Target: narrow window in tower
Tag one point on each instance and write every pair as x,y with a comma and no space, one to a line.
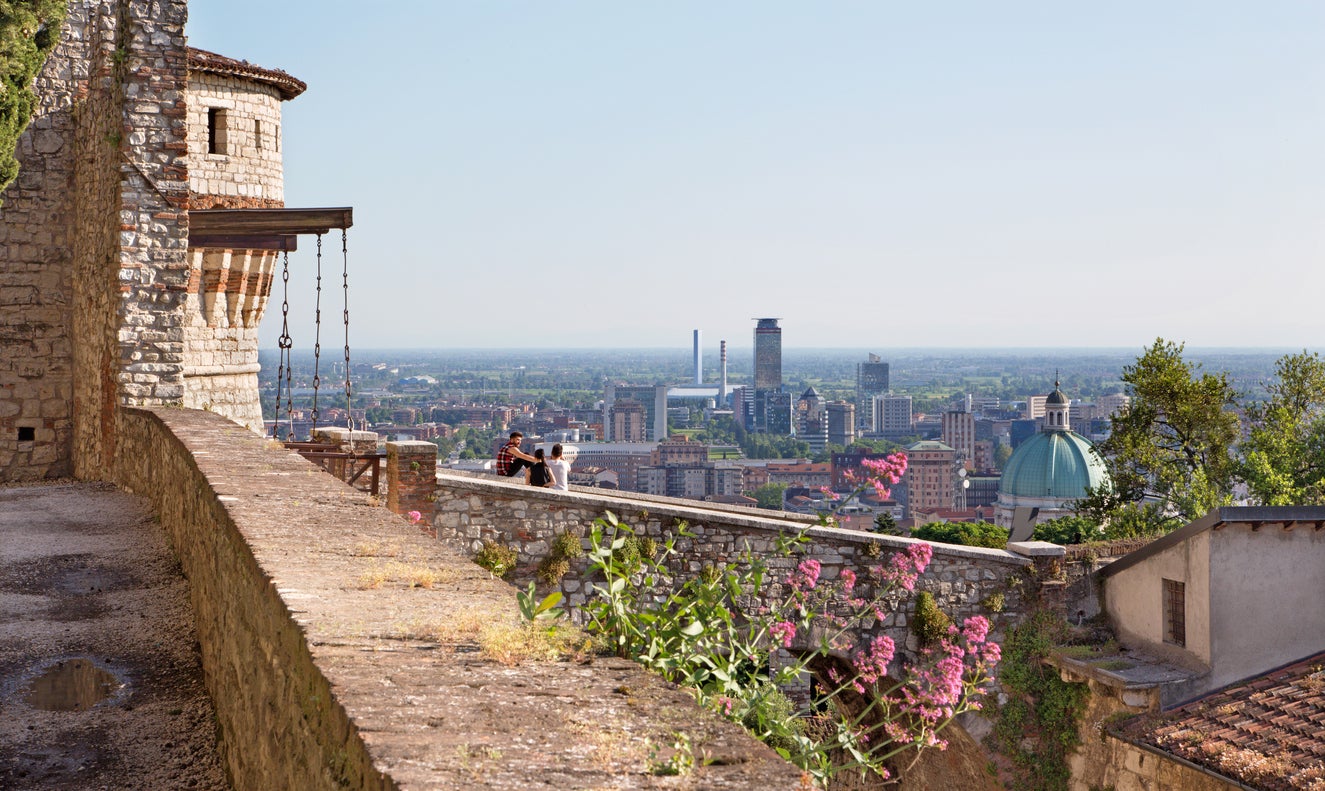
216,131
257,134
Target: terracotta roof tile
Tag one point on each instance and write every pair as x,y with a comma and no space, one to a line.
1266,732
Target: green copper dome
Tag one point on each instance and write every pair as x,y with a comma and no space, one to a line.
1053,464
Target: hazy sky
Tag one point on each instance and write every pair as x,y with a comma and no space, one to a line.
877,174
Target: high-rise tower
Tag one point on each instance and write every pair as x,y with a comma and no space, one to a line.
699,360
768,355
871,380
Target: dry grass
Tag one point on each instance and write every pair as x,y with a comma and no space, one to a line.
375,549
413,575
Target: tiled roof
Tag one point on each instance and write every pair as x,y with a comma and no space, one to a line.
1268,732
202,60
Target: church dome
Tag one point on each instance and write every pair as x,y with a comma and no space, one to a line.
1056,398
1053,464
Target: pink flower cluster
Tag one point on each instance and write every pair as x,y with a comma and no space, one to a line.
415,517
935,689
872,663
805,577
906,567
783,632
885,472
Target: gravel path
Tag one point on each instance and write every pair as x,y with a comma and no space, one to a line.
95,621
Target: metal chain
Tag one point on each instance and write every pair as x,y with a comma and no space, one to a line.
317,332
284,342
345,285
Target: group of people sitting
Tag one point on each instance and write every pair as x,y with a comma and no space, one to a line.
553,473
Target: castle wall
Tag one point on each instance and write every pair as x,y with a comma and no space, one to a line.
249,173
93,236
330,670
36,290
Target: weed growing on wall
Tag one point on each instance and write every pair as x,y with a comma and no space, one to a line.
718,634
1038,726
496,558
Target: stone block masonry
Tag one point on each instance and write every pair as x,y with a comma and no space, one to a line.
471,509
326,679
93,236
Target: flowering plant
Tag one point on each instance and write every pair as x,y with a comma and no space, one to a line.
876,474
740,636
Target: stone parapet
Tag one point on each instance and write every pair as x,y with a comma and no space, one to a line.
331,672
411,480
963,580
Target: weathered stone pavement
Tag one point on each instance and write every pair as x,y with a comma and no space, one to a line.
92,604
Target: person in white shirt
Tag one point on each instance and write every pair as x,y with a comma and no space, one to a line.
560,469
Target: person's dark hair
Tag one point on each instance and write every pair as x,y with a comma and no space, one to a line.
556,450
538,454
516,434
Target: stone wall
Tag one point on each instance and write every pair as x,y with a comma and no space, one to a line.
331,671
471,509
222,313
93,236
247,172
36,288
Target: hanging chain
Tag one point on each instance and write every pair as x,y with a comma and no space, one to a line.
284,342
345,285
317,332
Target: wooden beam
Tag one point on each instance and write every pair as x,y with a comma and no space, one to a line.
213,222
239,242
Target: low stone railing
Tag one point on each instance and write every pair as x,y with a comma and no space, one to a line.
471,509
345,649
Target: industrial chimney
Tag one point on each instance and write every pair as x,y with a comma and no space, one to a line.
699,361
722,383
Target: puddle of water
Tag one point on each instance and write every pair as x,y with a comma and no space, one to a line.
71,685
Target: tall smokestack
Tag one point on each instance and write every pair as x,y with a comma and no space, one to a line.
722,383
699,361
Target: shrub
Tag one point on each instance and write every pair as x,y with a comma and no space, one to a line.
716,633
496,558
930,623
971,534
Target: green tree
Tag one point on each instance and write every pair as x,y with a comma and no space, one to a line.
1002,452
1283,457
971,534
886,524
770,496
29,30
1075,529
1174,444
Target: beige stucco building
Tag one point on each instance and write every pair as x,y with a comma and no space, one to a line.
1231,595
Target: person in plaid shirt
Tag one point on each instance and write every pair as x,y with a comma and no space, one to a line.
510,459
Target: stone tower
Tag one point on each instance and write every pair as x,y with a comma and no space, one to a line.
106,300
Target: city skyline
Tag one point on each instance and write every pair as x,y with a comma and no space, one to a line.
1037,176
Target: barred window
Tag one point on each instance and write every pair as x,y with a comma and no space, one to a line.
1175,613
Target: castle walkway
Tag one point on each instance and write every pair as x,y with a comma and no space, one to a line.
100,679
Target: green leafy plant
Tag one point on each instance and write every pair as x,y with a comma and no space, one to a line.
534,610
29,30
717,633
496,558
930,623
971,534
1038,725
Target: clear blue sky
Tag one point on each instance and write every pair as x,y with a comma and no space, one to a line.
878,174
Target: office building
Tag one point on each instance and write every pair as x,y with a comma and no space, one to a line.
841,416
871,381
768,355
892,416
